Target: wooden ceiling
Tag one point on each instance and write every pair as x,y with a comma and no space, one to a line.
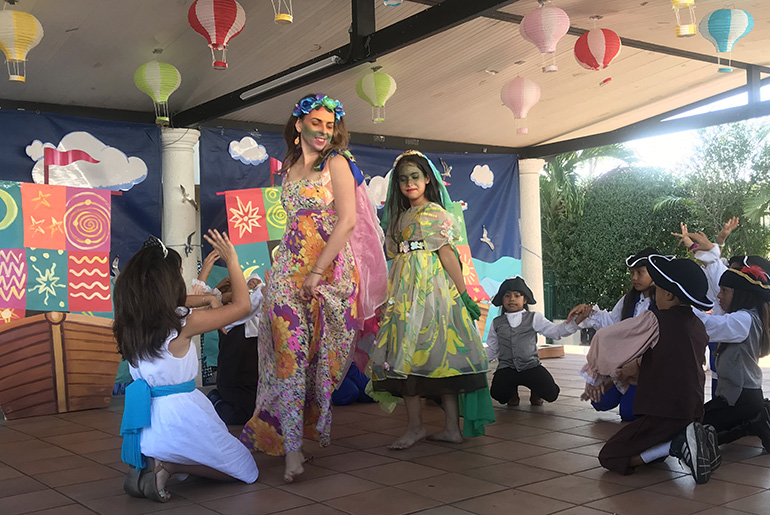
448,85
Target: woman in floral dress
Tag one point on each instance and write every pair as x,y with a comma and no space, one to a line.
428,344
310,319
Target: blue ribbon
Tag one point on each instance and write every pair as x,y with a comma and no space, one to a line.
136,416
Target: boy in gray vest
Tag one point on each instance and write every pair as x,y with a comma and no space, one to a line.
512,340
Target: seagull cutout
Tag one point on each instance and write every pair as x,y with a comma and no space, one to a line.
447,171
186,197
114,268
188,247
485,237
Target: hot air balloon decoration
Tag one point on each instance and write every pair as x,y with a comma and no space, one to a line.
544,27
520,95
392,3
218,21
596,49
724,27
684,30
284,14
376,88
158,80
20,32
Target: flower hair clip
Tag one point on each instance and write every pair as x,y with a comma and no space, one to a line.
311,103
152,241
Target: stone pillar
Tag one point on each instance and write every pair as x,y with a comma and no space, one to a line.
180,218
531,238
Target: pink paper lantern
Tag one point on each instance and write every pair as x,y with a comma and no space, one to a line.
544,27
520,95
596,49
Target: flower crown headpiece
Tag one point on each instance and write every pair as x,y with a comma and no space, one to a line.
311,103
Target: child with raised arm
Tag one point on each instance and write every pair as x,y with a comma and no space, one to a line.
168,426
512,339
669,396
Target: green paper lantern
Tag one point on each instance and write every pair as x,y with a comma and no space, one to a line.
375,88
158,80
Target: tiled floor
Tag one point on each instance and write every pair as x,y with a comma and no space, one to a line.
534,460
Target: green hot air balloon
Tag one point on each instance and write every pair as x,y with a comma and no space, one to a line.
158,80
376,88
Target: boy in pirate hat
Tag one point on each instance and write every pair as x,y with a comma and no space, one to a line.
512,340
669,398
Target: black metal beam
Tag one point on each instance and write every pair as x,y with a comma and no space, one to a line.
647,129
417,27
119,115
631,43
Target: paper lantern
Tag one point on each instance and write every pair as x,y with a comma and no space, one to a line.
218,21
544,27
520,95
20,32
158,80
392,3
596,49
684,30
376,88
724,27
283,11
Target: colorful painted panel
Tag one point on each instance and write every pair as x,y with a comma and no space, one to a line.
13,279
276,215
254,258
457,210
475,290
88,281
11,224
47,281
246,220
43,207
87,220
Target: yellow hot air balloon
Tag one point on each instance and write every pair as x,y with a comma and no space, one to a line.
20,32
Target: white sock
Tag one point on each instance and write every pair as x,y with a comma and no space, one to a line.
653,453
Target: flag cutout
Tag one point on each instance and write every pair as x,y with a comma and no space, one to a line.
51,156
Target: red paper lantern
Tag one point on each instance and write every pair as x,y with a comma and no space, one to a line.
596,49
218,21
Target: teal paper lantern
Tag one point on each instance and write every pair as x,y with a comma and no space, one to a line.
723,28
375,88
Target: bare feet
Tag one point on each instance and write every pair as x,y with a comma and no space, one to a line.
446,435
408,439
294,468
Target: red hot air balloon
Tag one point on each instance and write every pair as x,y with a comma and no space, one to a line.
218,21
596,49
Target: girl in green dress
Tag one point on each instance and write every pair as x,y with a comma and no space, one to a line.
428,344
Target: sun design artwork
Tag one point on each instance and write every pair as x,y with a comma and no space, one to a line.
245,217
47,282
469,272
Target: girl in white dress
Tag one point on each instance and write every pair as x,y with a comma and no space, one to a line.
168,426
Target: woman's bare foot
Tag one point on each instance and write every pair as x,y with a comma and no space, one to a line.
294,468
451,436
408,439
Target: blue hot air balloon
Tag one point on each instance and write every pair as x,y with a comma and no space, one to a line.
724,27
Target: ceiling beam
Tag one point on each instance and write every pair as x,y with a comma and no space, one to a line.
631,43
362,48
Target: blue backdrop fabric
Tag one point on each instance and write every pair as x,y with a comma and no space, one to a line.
495,207
137,212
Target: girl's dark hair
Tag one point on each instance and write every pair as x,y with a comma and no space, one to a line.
744,299
147,293
339,141
629,301
398,203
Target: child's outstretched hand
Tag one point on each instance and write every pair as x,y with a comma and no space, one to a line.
727,228
221,244
470,305
579,313
702,240
684,236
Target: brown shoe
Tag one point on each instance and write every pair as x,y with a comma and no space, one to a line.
535,400
514,400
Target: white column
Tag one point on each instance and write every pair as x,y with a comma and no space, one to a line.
531,239
180,217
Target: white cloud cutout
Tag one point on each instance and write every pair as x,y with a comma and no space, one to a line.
378,190
248,151
114,170
482,176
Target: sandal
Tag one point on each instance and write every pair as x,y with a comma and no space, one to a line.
148,482
131,483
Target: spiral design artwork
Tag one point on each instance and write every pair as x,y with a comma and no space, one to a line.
276,216
87,222
272,194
